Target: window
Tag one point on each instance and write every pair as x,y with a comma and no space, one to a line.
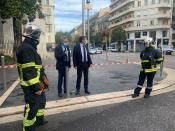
173,37
145,33
152,22
164,33
152,34
165,22
128,35
146,2
48,19
137,35
138,23
49,28
153,1
139,3
47,2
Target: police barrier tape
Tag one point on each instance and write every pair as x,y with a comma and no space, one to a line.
93,65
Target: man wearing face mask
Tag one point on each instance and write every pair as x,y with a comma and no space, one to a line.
62,55
33,80
82,61
150,58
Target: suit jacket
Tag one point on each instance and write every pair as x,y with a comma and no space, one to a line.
61,57
77,56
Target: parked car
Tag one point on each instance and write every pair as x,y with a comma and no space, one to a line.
110,48
167,50
99,50
92,51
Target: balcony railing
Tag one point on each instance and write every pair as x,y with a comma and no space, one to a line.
121,5
147,27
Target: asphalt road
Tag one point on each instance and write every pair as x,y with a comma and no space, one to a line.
102,79
154,114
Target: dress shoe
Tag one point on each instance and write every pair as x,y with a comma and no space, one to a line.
60,95
77,93
87,92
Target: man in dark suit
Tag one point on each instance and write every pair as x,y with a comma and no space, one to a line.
82,61
62,55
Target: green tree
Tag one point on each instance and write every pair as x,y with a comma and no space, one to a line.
21,11
61,34
118,35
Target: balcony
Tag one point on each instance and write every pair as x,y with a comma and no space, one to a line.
121,5
121,22
158,16
147,27
121,14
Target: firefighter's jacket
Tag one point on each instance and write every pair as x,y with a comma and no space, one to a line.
29,65
150,58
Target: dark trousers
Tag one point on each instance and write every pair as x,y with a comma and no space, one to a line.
82,69
34,110
142,77
61,76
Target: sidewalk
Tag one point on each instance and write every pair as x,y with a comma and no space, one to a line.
153,114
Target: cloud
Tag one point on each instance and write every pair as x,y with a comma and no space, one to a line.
68,12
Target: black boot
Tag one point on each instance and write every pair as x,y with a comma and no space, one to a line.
135,95
40,121
146,96
136,92
87,92
147,93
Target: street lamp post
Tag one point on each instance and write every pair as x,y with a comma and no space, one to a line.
88,8
83,21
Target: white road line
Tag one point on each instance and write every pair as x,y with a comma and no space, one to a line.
8,92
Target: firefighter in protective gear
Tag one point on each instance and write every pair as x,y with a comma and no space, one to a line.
150,58
33,80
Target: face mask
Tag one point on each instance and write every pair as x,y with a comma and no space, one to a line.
65,44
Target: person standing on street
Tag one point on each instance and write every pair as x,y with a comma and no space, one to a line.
33,80
62,55
82,61
150,58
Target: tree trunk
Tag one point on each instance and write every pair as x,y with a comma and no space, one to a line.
17,29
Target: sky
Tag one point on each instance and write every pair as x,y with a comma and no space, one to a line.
68,13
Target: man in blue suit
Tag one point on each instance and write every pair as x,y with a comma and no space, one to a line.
82,61
62,55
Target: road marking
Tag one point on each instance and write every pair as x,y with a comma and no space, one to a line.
8,92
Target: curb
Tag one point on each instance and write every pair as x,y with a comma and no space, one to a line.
167,82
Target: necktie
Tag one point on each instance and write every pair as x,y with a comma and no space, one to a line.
84,51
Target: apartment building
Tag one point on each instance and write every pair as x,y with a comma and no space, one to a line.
143,18
47,26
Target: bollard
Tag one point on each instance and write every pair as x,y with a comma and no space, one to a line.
106,55
162,65
127,60
67,81
3,71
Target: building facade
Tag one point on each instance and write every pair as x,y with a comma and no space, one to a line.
6,37
143,18
47,25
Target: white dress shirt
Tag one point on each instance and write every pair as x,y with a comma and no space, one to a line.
82,52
